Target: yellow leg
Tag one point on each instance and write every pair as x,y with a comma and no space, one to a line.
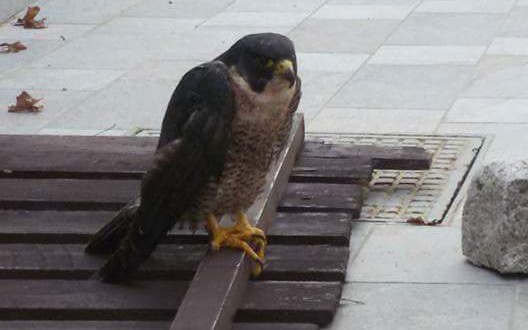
239,236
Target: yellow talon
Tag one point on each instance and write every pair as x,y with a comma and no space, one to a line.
239,236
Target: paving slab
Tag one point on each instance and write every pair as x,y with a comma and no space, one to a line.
318,88
447,29
520,318
341,36
417,254
397,12
403,87
516,24
500,77
55,104
82,12
36,49
354,120
330,62
52,32
373,2
149,25
509,140
59,79
123,105
275,5
390,306
509,46
261,19
466,6
489,110
428,55
104,51
181,8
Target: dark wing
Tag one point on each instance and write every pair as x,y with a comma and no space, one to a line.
181,167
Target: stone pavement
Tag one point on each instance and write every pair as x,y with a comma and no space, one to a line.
378,66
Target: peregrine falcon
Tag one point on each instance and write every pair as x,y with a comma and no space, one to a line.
225,123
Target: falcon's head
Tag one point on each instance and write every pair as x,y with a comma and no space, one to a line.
264,61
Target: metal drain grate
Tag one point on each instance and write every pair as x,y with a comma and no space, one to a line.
396,196
401,195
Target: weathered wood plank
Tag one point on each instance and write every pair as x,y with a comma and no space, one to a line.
83,325
310,302
396,158
75,156
332,170
176,262
221,279
68,227
305,302
137,325
322,197
66,193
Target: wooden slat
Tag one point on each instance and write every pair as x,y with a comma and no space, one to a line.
332,170
66,193
311,302
68,261
74,156
67,227
322,197
305,302
84,325
397,158
221,279
137,325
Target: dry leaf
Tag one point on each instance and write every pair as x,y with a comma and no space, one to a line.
14,47
25,102
29,21
419,221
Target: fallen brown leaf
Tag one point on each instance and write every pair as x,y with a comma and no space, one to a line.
419,221
25,102
15,47
29,21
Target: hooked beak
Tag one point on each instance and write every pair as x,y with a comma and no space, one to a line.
285,69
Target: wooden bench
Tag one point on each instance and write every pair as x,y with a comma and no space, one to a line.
57,191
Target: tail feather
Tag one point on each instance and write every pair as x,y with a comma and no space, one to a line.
107,239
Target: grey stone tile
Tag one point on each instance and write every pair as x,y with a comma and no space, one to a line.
414,254
358,236
500,77
517,23
104,51
85,132
509,140
164,71
398,12
52,32
522,3
149,25
428,55
318,87
82,12
423,306
262,19
330,62
447,29
509,46
373,2
489,110
55,103
403,87
274,5
123,105
466,6
520,319
349,120
180,8
342,36
58,79
36,49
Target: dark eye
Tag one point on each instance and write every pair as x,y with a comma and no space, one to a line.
265,61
